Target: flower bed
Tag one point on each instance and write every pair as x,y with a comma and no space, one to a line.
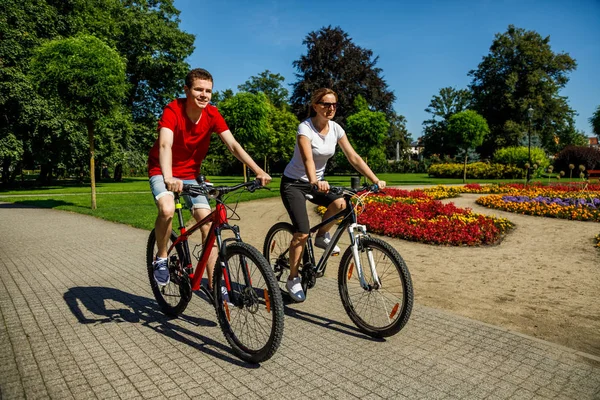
418,216
555,201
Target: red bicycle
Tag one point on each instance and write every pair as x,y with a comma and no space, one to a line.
250,308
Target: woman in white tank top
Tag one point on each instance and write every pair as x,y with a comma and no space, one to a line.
317,138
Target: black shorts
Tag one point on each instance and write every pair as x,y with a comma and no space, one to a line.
294,200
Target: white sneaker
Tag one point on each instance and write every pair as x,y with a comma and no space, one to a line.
323,241
294,287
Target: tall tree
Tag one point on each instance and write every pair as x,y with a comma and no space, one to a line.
398,139
467,129
87,76
367,131
522,71
334,61
595,121
247,116
448,102
270,84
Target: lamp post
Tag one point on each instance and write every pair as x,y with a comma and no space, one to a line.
530,115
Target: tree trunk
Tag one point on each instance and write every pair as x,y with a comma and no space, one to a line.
45,177
465,170
90,126
245,176
5,170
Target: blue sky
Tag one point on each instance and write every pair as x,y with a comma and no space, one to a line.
422,45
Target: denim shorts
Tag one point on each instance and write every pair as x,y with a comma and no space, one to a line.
157,185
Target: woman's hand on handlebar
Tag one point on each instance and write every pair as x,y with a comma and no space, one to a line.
322,186
174,184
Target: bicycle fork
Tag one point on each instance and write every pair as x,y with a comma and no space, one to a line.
355,231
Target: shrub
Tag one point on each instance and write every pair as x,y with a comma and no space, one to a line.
478,170
589,157
519,157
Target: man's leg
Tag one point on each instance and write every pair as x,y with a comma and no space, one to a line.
163,223
199,214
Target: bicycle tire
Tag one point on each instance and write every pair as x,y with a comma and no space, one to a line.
275,250
252,319
378,312
175,296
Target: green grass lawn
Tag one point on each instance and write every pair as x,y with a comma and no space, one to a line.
130,202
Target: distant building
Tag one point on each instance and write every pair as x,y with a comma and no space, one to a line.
416,149
594,142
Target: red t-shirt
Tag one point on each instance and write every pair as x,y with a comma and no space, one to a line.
190,141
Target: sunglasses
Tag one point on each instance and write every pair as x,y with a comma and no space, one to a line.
327,105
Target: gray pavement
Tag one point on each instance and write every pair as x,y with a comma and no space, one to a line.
78,320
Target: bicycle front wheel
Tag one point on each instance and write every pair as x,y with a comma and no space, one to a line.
251,313
382,308
175,296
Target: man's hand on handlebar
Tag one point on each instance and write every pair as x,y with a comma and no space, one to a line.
381,184
263,178
174,184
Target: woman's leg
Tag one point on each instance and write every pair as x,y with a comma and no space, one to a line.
296,248
334,207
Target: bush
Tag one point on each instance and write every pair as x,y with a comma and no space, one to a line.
478,170
519,156
589,157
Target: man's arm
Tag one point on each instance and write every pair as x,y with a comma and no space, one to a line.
165,159
236,149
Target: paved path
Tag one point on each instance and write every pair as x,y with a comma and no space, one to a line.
78,320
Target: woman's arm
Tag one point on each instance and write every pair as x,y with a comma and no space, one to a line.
357,162
238,151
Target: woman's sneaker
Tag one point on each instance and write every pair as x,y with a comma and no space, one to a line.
161,271
294,287
323,241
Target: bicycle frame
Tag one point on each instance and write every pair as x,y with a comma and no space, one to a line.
354,230
219,220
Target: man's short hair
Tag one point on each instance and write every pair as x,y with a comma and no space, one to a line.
197,73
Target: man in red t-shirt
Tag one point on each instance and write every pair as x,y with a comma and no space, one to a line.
183,138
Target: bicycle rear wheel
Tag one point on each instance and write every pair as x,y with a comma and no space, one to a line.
378,311
175,296
251,318
276,251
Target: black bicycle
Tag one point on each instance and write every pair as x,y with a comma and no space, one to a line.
373,280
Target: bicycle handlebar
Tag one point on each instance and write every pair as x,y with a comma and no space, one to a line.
342,189
217,191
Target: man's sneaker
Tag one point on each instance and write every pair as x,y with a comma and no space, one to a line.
161,271
225,296
323,241
294,287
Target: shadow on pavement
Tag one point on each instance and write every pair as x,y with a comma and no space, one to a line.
42,203
144,311
326,322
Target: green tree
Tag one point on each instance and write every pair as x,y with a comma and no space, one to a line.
595,121
281,138
247,115
270,84
334,61
522,71
87,76
467,129
367,131
145,32
448,102
397,136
